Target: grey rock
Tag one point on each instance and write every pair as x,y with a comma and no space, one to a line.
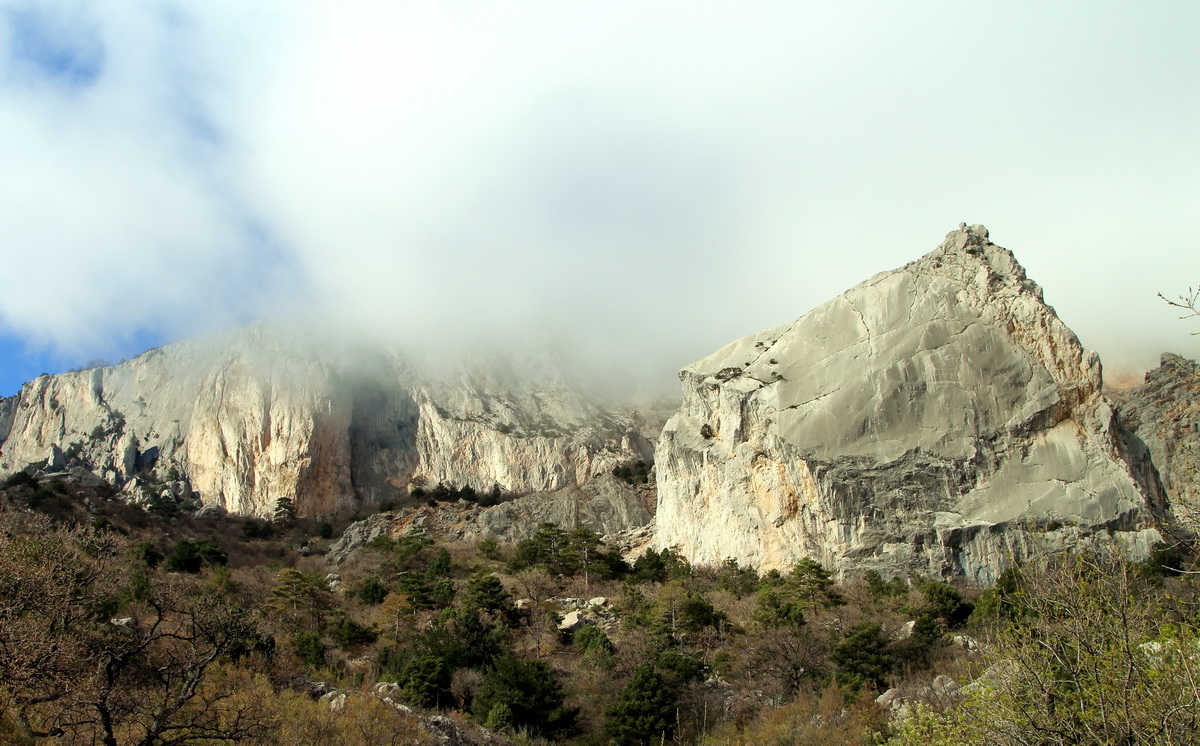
85,477
251,415
605,505
336,700
943,684
1164,413
573,621
938,418
891,699
212,509
56,461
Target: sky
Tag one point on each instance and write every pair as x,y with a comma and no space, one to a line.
644,181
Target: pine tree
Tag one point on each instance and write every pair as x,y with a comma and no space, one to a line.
645,712
285,510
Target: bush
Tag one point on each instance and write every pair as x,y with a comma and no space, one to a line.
645,711
370,590
309,649
20,479
351,634
189,554
531,695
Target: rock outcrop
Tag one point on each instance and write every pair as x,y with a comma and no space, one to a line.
937,418
1164,412
605,504
244,418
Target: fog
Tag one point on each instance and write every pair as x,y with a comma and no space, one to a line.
639,182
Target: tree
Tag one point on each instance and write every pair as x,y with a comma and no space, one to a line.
285,510
863,657
1189,303
1096,654
299,600
525,695
189,554
645,712
783,602
98,649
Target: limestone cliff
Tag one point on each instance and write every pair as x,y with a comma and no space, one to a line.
1164,411
246,417
937,418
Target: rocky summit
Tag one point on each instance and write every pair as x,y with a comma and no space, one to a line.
242,419
938,418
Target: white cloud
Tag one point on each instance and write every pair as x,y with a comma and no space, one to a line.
658,178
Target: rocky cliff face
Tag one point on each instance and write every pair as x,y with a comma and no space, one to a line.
1165,413
937,418
244,418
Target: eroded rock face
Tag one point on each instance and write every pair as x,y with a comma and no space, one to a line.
605,505
1164,412
937,418
244,418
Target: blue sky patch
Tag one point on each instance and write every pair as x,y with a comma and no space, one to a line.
62,49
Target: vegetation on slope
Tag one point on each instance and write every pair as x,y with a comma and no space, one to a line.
119,626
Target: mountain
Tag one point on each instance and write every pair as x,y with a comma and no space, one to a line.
1164,411
938,418
244,418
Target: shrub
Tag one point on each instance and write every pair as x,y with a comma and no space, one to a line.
189,554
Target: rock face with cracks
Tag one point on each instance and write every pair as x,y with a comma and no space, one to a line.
241,419
1164,411
938,418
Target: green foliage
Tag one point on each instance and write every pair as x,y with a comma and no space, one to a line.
863,657
679,668
740,581
370,590
455,639
381,543
567,554
531,698
309,649
426,681
589,638
189,554
485,592
659,567
299,599
880,588
256,529
350,634
999,603
776,609
1165,561
324,529
162,504
488,548
20,478
782,602
637,473
285,510
1089,654
917,649
645,711
942,601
